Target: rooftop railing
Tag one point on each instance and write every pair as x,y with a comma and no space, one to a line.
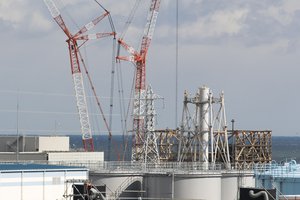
274,170
138,167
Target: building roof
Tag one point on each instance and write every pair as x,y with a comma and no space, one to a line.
286,170
35,167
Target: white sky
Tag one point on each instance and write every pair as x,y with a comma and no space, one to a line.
248,49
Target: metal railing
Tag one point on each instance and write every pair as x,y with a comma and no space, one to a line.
287,170
126,184
137,167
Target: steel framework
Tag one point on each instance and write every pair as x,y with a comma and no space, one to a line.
251,147
168,141
203,134
150,150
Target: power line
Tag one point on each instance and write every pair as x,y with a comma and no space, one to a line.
176,70
48,112
52,130
48,94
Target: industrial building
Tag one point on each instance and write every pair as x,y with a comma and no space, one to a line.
170,181
37,181
285,178
199,159
43,149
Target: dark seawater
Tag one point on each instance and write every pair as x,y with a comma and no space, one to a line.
283,148
114,149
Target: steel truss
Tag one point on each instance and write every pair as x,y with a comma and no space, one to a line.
251,147
203,131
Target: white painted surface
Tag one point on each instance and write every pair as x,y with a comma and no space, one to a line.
53,143
76,157
204,188
204,121
32,185
229,188
247,181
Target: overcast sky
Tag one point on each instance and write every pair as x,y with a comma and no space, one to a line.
248,49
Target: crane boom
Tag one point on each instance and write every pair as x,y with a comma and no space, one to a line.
139,59
57,16
74,54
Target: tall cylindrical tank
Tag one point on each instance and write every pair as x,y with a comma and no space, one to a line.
247,179
158,186
115,182
204,122
229,187
198,187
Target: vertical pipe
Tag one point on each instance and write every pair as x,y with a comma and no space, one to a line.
211,129
22,184
173,186
176,70
17,154
204,119
44,185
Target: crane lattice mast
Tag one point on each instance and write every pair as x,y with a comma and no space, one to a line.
139,59
75,67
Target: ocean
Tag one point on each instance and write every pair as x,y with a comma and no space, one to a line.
283,148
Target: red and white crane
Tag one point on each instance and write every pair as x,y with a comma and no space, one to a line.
75,59
139,59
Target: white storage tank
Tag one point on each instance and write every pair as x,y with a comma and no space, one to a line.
229,187
232,180
158,186
117,183
198,186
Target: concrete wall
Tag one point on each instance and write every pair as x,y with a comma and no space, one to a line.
55,157
34,143
23,156
53,143
76,157
26,143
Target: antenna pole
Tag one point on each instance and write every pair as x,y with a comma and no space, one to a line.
176,70
17,127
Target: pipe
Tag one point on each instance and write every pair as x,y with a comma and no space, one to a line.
258,194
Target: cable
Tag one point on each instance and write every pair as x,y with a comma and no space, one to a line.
112,83
94,92
100,5
130,18
46,94
48,130
176,70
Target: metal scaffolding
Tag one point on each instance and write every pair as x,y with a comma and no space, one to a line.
168,144
251,147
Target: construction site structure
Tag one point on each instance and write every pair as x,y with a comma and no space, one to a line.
139,138
75,58
203,131
251,147
79,189
204,137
